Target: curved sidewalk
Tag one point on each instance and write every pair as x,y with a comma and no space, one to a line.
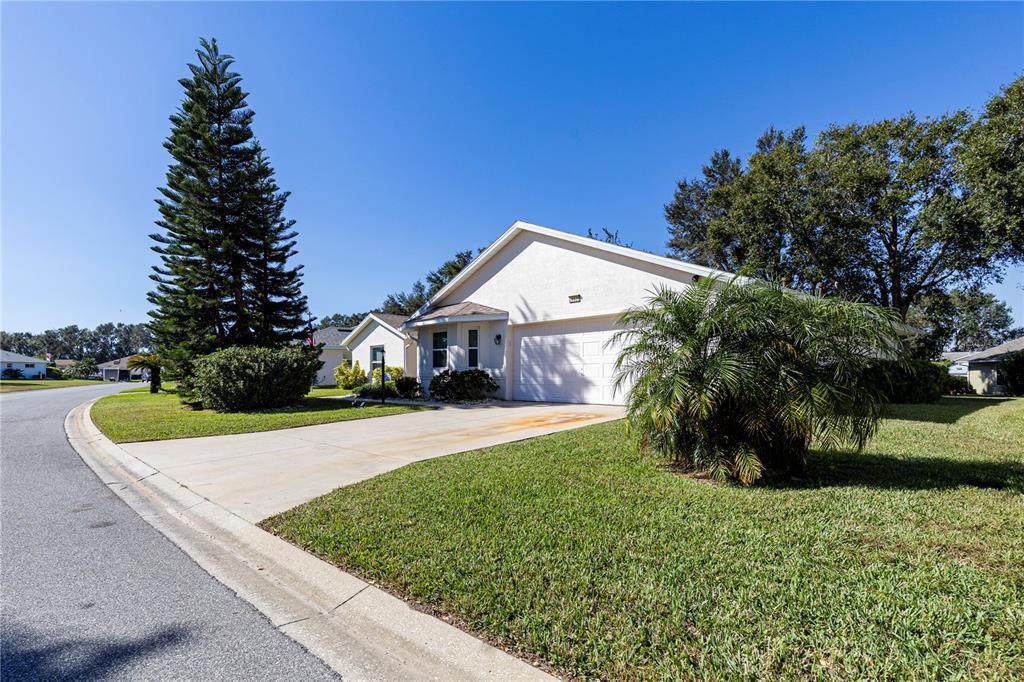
362,632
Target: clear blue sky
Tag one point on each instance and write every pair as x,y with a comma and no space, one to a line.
407,132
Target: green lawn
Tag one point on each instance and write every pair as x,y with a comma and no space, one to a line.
137,415
325,391
12,385
906,561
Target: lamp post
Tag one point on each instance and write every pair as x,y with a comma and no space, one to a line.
383,377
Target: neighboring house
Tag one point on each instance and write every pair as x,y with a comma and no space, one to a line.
382,333
334,352
31,368
117,370
537,310
982,367
957,362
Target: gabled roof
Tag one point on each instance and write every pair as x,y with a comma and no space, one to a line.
11,356
519,227
331,337
957,355
997,352
395,321
390,322
118,363
457,312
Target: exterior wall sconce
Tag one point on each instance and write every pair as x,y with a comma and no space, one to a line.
497,339
575,298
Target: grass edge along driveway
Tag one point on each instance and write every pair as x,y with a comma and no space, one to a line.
904,561
18,385
138,415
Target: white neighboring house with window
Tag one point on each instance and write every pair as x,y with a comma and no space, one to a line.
333,353
30,368
537,310
381,333
957,362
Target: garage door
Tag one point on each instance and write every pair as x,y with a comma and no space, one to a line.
567,362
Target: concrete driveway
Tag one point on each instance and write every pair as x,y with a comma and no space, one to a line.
256,475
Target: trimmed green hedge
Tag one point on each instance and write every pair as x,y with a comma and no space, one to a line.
248,379
373,390
471,384
911,381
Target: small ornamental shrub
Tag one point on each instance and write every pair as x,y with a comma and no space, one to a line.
957,385
349,377
911,381
407,387
394,372
470,384
1010,372
12,373
373,391
247,379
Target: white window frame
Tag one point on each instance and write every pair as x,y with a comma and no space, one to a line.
434,350
375,363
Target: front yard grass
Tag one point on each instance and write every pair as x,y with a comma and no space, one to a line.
903,562
137,415
13,385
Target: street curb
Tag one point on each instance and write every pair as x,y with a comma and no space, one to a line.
359,630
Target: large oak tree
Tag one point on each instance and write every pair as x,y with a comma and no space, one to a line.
887,212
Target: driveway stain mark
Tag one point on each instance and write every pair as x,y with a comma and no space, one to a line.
554,419
102,524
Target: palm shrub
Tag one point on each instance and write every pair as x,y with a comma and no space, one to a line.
81,369
151,363
731,378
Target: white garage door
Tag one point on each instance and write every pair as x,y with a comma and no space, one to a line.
567,362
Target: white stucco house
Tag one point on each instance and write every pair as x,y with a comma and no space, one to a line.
957,362
536,310
30,367
381,333
333,353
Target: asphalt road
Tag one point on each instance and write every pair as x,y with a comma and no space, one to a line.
91,591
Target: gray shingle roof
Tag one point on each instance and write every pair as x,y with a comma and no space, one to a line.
395,321
459,310
119,363
955,355
331,337
996,352
11,356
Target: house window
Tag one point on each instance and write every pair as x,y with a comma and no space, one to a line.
440,349
29,364
376,355
474,347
